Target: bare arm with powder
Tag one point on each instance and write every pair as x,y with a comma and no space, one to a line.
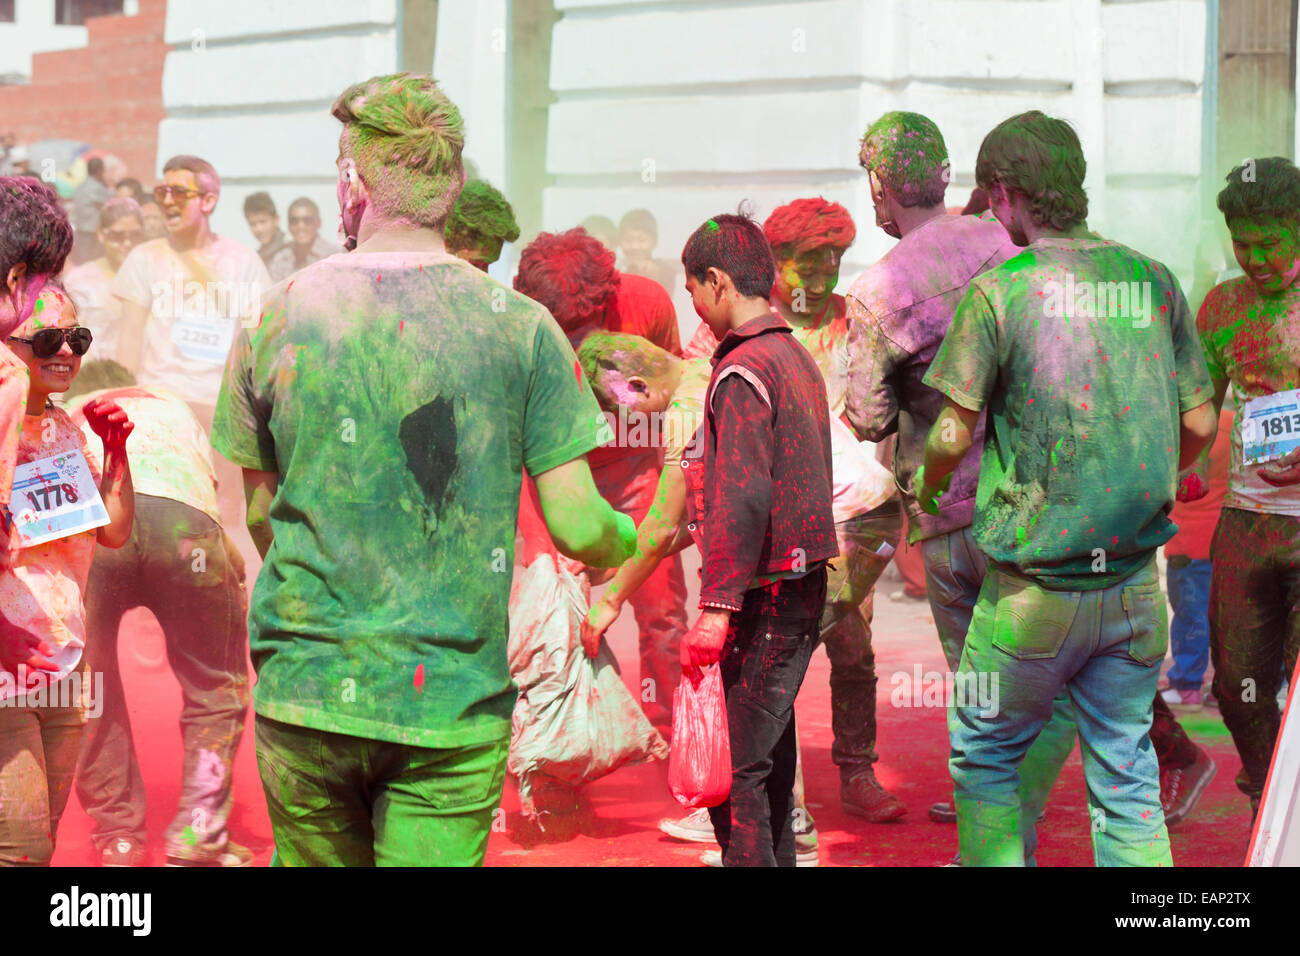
582,523
259,489
655,540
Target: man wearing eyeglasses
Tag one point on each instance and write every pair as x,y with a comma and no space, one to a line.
183,296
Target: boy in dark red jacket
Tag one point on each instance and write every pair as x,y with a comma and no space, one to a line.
761,514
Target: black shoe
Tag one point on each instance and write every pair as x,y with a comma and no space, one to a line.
943,812
1182,787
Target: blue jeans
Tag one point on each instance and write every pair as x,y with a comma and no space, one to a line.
954,574
1104,649
1189,633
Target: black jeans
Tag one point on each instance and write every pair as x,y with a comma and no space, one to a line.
769,644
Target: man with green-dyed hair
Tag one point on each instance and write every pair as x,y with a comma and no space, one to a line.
480,223
907,161
403,137
384,413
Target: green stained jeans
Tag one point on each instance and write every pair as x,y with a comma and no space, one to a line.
337,800
1028,644
955,569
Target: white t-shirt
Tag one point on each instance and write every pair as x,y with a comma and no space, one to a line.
195,300
91,287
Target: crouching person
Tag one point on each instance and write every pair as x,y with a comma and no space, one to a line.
180,564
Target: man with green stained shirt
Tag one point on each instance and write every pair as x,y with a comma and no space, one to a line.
384,410
1250,330
1085,356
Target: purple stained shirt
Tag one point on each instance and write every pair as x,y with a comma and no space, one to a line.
899,311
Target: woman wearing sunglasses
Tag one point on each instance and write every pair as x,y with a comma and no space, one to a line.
44,594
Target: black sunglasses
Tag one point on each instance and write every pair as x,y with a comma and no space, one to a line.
47,342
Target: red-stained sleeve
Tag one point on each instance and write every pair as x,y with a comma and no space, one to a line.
738,502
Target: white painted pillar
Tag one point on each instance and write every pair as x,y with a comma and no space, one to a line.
471,64
1090,102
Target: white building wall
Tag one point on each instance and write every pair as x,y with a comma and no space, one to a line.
248,86
34,31
471,63
687,107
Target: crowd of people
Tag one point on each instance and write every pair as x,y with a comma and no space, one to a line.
1032,408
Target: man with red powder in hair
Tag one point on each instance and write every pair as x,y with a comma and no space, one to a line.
573,275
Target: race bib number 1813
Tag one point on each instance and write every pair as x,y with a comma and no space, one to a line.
1270,426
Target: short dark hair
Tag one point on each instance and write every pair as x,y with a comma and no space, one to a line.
732,243
34,227
119,207
570,273
259,203
642,219
481,211
600,224
1262,189
907,153
304,201
133,184
204,172
94,166
98,375
1041,157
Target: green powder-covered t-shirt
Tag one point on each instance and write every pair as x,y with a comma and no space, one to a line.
398,396
1086,355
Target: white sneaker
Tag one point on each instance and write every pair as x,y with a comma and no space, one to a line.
695,827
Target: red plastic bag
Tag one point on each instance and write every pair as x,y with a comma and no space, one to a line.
699,765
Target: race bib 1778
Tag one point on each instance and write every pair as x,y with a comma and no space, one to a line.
1270,426
55,497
